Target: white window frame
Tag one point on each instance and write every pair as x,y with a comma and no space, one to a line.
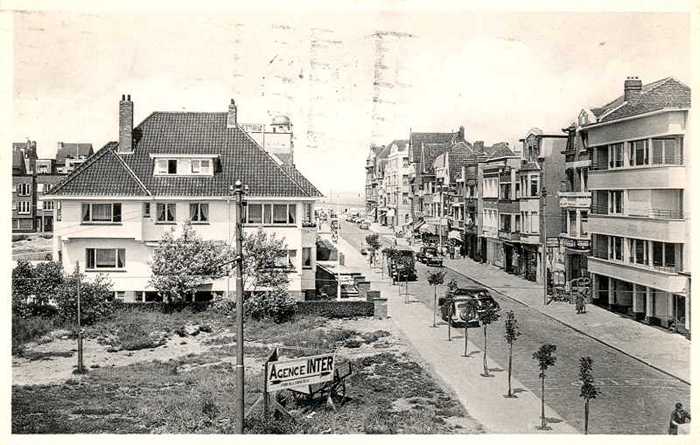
24,207
267,214
199,214
92,252
90,219
165,212
24,189
310,258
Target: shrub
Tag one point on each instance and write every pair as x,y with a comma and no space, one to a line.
96,299
27,329
223,306
261,425
133,335
277,306
19,237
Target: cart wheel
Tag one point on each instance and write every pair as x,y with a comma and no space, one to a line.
338,391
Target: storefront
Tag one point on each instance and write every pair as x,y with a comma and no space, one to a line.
528,262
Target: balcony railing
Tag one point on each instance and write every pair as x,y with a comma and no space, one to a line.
640,213
603,255
654,162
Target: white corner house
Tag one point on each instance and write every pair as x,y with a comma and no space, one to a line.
174,167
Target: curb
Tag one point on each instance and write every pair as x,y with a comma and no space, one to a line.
570,326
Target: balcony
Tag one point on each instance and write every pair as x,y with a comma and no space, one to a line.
668,230
668,281
575,242
574,199
507,235
653,177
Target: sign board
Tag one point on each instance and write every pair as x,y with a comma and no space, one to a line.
300,371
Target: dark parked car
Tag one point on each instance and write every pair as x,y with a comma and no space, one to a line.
466,302
402,267
429,256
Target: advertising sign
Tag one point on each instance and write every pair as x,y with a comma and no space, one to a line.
300,371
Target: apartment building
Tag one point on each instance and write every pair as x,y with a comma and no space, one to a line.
639,220
70,155
371,183
575,204
539,176
397,171
111,212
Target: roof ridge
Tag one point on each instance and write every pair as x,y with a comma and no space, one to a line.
273,161
131,172
91,160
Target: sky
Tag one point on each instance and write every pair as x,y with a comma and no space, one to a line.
346,80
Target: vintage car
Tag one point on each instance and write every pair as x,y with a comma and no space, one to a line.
464,304
429,256
402,265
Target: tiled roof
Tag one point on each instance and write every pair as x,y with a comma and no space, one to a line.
664,93
500,151
418,139
286,158
240,158
72,150
400,144
384,152
104,173
458,154
429,153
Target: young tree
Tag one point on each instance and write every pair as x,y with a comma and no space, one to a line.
467,313
373,245
588,389
545,359
451,286
512,334
435,279
182,263
487,315
265,263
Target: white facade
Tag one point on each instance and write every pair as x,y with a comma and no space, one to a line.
138,231
397,187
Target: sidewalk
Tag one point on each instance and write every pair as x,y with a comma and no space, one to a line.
481,396
667,352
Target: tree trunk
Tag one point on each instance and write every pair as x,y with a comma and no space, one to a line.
486,367
434,305
544,420
510,368
449,326
585,417
466,338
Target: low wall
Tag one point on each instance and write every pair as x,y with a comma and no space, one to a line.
336,309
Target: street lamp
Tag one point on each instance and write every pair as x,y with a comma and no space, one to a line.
240,378
543,229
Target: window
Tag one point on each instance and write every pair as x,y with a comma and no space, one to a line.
667,151
616,155
505,191
615,248
308,213
535,221
172,166
24,207
40,205
306,257
517,223
638,250
200,167
119,295
271,214
292,257
199,212
584,223
615,200
48,205
534,186
146,209
102,213
517,190
40,188
405,162
59,211
24,189
639,152
105,258
404,198
165,213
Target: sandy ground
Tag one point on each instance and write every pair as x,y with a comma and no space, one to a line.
54,362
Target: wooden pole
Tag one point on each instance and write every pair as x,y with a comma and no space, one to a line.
81,368
265,401
240,370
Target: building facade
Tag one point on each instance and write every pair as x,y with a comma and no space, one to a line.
111,213
276,138
639,220
397,171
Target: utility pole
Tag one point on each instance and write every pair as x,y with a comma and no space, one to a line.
81,368
240,393
543,224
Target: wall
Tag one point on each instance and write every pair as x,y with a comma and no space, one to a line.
673,122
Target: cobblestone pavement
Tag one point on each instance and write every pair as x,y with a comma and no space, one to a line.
635,398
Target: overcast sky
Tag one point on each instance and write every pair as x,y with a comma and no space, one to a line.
498,75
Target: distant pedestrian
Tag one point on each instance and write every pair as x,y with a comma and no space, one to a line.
580,308
678,416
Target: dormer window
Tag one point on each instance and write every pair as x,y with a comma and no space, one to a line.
183,165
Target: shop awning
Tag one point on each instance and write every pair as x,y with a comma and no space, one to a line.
455,234
428,228
417,224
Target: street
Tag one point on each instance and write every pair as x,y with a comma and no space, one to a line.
634,398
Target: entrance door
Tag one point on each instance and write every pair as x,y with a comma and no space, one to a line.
48,224
603,294
508,254
679,312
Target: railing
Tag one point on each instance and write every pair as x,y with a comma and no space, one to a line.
640,213
599,209
653,162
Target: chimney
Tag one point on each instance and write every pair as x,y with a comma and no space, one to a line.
460,134
232,119
633,89
126,124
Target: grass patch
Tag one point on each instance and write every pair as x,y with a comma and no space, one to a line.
29,329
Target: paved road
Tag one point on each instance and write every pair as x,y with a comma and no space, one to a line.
635,398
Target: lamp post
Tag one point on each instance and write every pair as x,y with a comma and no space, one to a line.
543,230
240,377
